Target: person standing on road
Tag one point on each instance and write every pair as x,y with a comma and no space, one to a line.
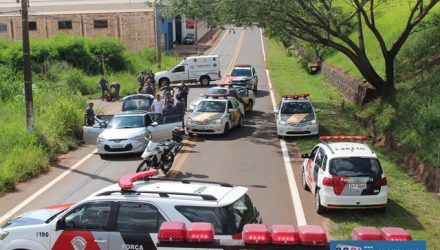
169,109
157,107
183,91
117,87
149,88
90,115
141,80
103,84
168,89
181,108
150,75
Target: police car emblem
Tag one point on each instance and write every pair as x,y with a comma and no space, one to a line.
79,243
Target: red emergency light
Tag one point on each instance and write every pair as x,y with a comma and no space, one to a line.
395,233
299,96
312,235
256,234
343,137
215,96
126,182
284,234
366,233
200,232
171,231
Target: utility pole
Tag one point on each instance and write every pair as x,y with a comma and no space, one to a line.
27,67
158,22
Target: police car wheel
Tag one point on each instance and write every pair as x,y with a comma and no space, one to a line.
304,183
226,129
240,123
251,106
318,208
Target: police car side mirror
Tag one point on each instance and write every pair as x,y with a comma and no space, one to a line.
59,224
305,156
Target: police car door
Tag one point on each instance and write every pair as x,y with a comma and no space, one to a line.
309,168
319,168
134,223
84,227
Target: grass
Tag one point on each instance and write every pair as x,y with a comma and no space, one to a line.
410,205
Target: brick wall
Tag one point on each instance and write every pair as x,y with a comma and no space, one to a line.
135,28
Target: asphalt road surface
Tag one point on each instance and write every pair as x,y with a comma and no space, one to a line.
250,156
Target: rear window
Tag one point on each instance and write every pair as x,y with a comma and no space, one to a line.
243,211
137,103
355,167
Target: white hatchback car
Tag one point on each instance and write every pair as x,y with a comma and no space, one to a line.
296,116
344,174
128,215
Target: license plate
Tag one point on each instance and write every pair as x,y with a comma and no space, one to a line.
357,186
118,146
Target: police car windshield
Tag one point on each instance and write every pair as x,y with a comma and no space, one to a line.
217,91
355,167
121,122
211,106
241,72
296,108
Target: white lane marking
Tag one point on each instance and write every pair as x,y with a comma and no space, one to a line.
216,46
45,188
262,45
296,200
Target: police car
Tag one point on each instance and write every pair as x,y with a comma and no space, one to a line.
128,215
296,116
216,114
246,95
343,172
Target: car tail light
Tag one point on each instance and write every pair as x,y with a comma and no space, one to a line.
256,234
312,235
366,233
172,231
284,234
200,232
339,183
381,181
395,233
327,181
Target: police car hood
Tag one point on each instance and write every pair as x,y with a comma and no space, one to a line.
204,116
239,78
297,118
121,133
33,217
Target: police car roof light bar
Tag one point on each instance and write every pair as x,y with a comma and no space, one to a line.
299,96
366,233
200,232
242,65
312,235
171,231
126,182
215,96
395,233
284,235
344,137
256,234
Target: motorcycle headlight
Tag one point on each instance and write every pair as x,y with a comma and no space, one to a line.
3,234
136,138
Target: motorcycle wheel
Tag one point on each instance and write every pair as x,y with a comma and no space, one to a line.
167,162
143,166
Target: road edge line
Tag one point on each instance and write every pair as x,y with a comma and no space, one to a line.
216,46
296,200
45,188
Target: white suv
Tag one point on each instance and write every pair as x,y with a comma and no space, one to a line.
296,116
344,174
128,216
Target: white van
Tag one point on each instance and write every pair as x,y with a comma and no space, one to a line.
203,69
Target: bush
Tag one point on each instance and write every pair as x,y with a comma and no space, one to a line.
113,51
77,82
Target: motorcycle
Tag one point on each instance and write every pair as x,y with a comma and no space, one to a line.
160,155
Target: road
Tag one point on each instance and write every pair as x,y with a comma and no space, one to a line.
250,156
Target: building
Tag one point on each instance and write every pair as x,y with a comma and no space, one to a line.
129,20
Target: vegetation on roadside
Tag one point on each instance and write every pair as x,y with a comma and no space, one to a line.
410,206
65,72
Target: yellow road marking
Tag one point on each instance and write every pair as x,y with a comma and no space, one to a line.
187,149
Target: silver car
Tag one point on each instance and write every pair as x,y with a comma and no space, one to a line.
126,131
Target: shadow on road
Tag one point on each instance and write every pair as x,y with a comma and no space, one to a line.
261,93
185,175
395,216
93,176
122,157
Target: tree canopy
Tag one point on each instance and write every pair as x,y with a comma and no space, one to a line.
325,22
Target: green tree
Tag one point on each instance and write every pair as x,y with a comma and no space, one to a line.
325,22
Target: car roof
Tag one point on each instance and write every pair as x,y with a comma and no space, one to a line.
347,149
243,66
218,194
296,100
138,95
132,113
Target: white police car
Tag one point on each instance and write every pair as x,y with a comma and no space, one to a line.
296,116
216,114
128,216
344,174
